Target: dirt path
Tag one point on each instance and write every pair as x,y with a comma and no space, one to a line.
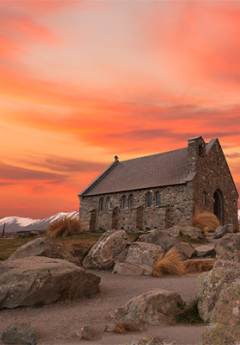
56,323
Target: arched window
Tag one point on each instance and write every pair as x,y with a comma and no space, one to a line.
108,203
124,201
101,202
157,198
130,201
148,199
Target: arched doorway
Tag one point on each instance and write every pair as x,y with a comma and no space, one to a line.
218,205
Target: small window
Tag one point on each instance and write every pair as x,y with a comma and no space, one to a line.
157,198
149,199
101,202
108,203
124,201
130,201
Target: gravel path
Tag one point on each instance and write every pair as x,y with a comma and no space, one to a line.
56,323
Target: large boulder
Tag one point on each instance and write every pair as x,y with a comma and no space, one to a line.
154,307
228,247
19,333
143,255
34,280
216,285
223,230
43,246
108,249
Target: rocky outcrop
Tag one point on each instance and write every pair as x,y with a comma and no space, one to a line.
213,285
219,303
228,247
111,245
154,307
43,246
19,333
33,280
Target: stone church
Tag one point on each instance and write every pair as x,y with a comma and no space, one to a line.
161,190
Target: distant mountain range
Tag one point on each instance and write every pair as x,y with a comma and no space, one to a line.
14,224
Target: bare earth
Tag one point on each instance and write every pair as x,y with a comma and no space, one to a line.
56,323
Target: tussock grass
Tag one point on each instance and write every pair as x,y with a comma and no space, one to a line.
194,266
205,221
171,263
63,227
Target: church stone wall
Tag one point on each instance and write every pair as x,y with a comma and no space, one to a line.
213,175
176,207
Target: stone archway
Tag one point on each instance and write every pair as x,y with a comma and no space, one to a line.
218,206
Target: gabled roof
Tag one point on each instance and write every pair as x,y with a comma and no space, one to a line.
163,169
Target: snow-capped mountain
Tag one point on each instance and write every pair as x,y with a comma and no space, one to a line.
13,224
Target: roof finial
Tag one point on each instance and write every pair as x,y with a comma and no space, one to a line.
116,158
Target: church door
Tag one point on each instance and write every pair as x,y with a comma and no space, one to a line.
218,205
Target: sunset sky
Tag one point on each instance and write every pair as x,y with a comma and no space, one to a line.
82,81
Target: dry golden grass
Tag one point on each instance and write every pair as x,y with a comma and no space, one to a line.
205,221
194,266
63,227
171,263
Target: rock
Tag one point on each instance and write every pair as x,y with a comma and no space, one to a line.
19,333
87,333
228,247
217,334
106,251
205,250
143,255
214,283
154,307
127,269
223,230
157,237
185,249
33,280
43,246
192,232
174,231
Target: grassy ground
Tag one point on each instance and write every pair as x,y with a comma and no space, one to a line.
79,243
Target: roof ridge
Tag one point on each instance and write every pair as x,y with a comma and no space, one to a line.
155,154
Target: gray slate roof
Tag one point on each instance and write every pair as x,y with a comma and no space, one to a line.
163,169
